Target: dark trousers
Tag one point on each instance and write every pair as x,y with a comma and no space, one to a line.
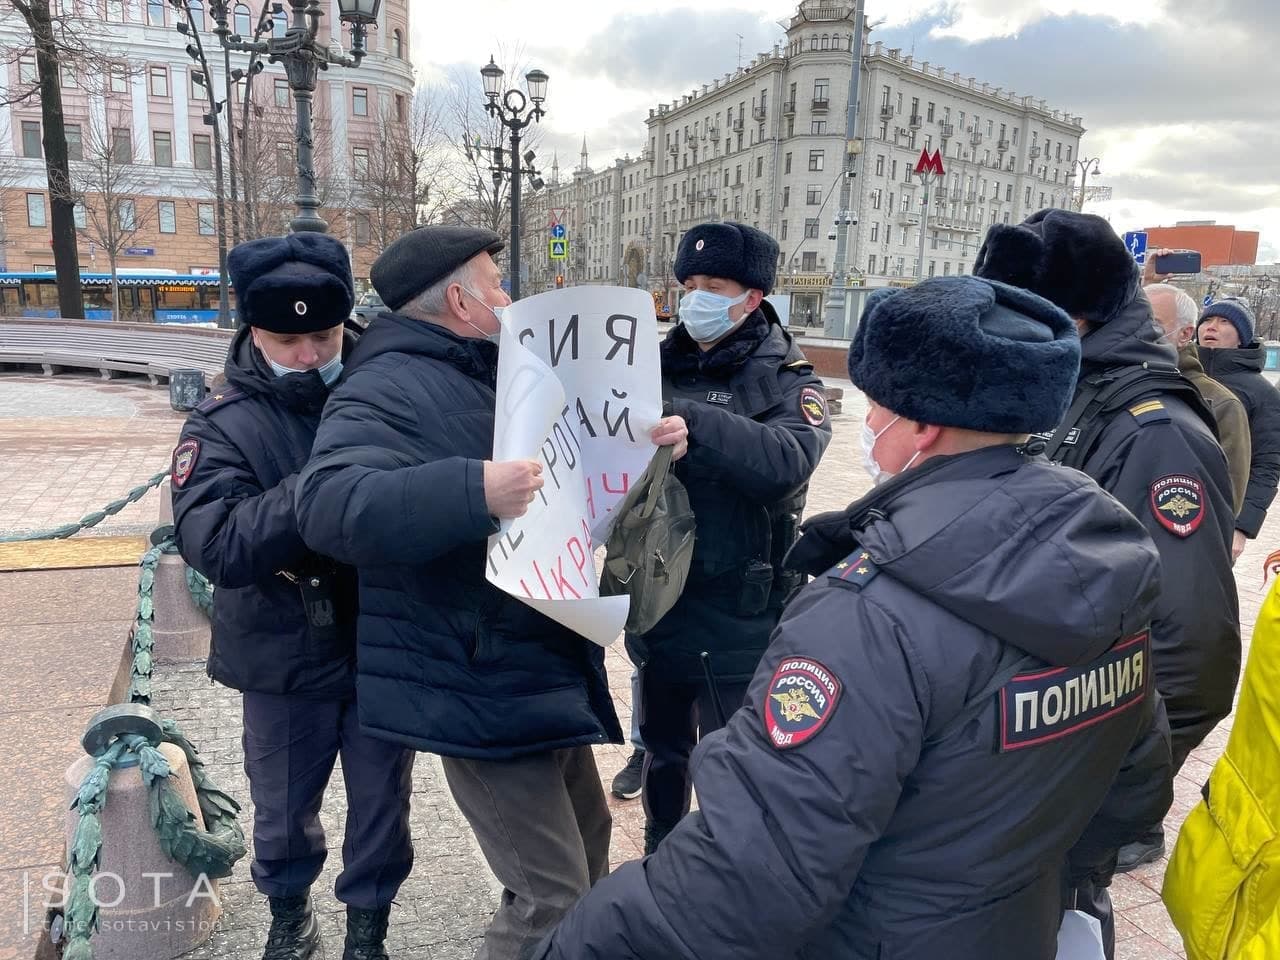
543,825
673,715
290,745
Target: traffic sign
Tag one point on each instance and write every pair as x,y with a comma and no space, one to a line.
558,249
557,215
558,231
1136,243
1208,299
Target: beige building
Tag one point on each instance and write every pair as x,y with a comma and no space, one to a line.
152,109
766,145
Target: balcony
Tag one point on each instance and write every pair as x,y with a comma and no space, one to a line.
758,113
907,219
886,112
737,125
947,131
674,149
1034,153
957,193
915,121
714,133
820,105
789,108
971,197
1002,146
957,224
975,137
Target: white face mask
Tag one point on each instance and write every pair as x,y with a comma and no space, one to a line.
869,437
497,315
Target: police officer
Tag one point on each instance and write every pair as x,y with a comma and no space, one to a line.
757,420
928,735
283,616
1141,430
403,486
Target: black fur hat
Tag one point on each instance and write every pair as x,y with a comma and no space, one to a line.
1073,259
730,250
965,352
300,283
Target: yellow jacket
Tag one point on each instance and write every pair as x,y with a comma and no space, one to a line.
1222,887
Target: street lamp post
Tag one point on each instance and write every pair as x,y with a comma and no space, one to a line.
514,113
1086,166
303,58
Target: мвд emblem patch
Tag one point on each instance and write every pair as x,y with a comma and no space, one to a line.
1177,501
801,699
813,406
184,460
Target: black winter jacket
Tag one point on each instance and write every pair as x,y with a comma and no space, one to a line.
448,663
758,426
233,479
1240,370
879,796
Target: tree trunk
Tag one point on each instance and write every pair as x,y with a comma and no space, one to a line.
66,257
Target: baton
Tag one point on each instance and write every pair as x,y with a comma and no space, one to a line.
711,686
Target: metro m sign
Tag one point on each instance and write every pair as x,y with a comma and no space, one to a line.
930,164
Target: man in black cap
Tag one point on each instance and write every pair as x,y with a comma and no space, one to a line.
757,419
926,738
283,615
402,486
1141,430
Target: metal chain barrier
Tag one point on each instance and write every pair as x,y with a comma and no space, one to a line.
129,735
91,519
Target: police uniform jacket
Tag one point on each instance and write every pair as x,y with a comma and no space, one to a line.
1159,458
758,426
935,724
234,472
1240,371
448,663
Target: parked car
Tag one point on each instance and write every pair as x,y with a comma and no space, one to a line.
370,306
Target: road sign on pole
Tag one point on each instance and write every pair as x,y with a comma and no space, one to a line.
558,249
557,215
1136,243
558,231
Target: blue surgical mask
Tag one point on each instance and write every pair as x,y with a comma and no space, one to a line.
329,372
706,315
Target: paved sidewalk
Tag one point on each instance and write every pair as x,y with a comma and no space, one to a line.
70,445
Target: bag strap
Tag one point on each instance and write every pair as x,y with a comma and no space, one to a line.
1012,662
660,465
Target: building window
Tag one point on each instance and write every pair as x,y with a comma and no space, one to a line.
168,217
31,139
808,261
197,89
127,215
75,142
363,232
821,92
115,11
813,194
884,131
786,164
242,24
204,219
816,159
360,162
876,199
284,158
1027,198
69,79
786,197
817,127
279,24
811,228
27,72
162,148
158,81
933,266
782,232
122,144
35,210
946,268
871,264
879,164
202,151
825,43
155,13
360,101
400,113
281,90
197,13
875,232
79,216
929,112
397,44
119,78
759,166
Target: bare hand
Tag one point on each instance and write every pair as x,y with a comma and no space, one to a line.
1238,542
1149,274
510,486
672,432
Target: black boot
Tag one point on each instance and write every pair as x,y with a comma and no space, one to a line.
654,834
366,932
294,933
1146,849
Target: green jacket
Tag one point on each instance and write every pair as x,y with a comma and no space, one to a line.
1233,421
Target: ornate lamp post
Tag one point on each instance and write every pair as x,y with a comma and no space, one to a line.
303,58
515,114
1087,166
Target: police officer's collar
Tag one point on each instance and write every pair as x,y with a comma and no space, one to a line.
247,369
681,353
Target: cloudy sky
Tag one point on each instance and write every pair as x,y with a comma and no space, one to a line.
1179,96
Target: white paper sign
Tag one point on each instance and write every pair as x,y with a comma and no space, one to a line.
579,389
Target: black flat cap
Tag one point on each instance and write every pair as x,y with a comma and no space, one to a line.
300,283
425,255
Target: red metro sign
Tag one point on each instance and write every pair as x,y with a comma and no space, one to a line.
930,164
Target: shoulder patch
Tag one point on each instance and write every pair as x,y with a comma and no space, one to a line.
813,406
1149,411
801,698
856,570
1046,705
1177,501
220,397
184,461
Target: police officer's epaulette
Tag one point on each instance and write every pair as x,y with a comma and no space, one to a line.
1149,411
227,394
856,570
799,366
